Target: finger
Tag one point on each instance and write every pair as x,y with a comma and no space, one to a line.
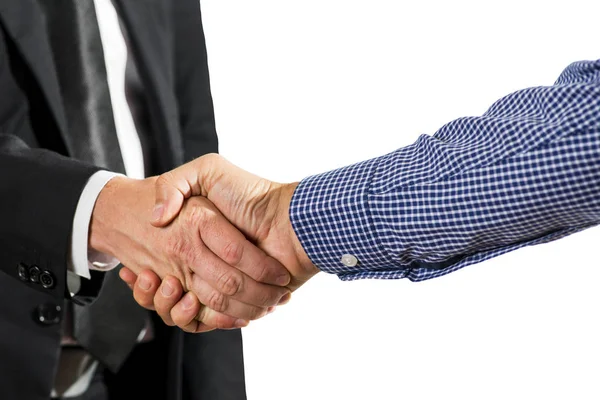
230,283
230,245
189,314
169,293
170,193
213,319
191,179
145,288
128,276
285,299
184,313
218,302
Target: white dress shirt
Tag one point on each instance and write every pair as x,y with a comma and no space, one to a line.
83,258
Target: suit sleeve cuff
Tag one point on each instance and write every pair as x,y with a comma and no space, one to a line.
82,259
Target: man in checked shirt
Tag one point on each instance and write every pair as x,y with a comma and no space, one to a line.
525,172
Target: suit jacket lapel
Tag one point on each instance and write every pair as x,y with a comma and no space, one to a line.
25,25
148,25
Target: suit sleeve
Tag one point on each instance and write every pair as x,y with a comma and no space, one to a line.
526,172
196,112
39,191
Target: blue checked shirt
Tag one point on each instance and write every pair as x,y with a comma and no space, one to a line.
525,172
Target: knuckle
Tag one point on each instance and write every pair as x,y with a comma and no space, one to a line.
211,157
217,301
209,160
266,269
190,256
164,179
188,279
198,214
183,253
174,246
230,284
263,271
233,252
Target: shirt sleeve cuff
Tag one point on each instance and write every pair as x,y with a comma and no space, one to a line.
330,215
81,257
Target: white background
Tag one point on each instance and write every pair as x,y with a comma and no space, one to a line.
301,87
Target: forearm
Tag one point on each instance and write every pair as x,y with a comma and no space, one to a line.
40,190
526,172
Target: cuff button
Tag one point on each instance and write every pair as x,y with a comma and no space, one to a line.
23,272
349,260
47,280
48,314
34,274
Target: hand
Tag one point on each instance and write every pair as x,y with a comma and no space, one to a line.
200,248
259,208
175,310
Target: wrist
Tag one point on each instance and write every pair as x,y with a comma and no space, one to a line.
114,213
285,199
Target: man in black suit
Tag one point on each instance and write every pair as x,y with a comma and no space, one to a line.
55,135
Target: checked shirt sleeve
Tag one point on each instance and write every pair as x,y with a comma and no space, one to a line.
525,172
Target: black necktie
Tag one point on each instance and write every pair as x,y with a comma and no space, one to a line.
107,329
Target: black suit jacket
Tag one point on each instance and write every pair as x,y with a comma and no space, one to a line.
40,185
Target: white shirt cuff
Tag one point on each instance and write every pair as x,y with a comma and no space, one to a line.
81,257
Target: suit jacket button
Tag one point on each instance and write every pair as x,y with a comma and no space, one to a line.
34,274
23,272
47,280
48,314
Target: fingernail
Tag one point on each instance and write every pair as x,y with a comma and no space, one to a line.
188,301
157,212
270,310
286,297
166,289
144,283
282,280
240,323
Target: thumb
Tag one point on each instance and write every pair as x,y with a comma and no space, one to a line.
173,187
170,192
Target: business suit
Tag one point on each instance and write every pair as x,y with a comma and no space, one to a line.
40,184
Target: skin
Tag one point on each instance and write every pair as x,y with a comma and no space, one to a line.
259,208
199,252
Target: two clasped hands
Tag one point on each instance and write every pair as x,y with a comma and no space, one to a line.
216,249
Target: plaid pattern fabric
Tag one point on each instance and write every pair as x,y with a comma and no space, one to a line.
525,172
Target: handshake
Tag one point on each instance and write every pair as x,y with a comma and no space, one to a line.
207,245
